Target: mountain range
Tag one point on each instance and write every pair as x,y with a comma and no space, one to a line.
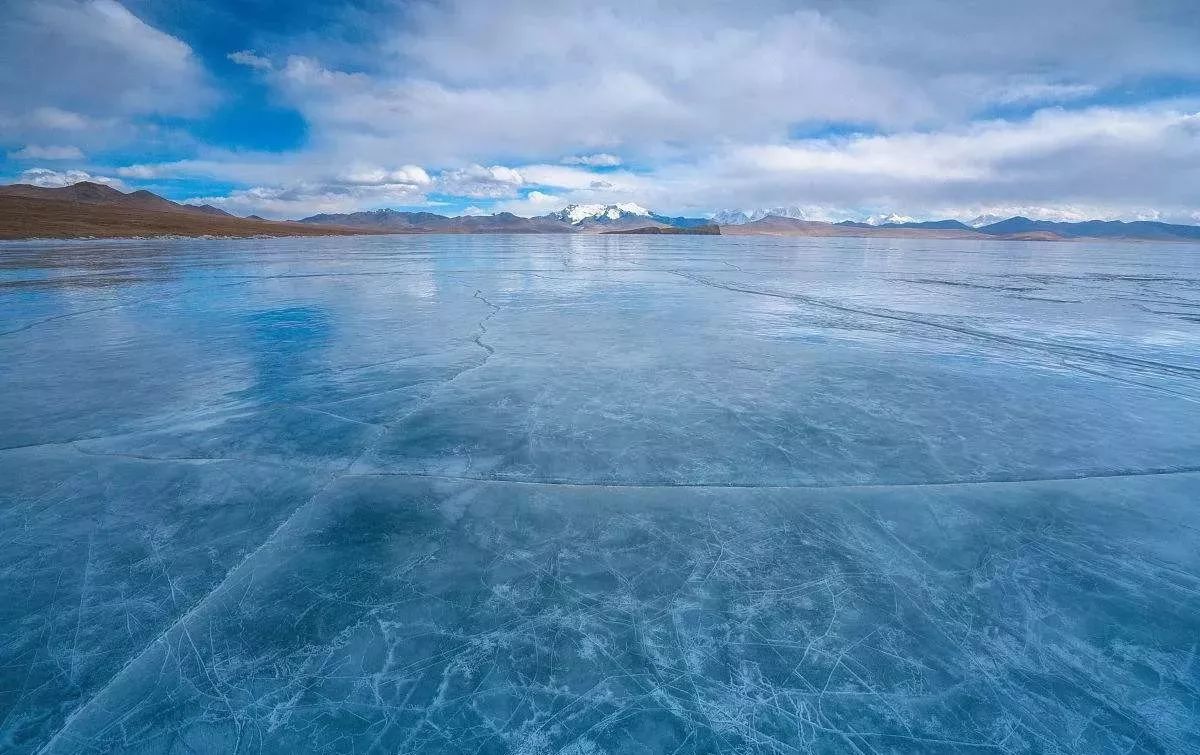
93,210
742,217
89,209
780,221
575,218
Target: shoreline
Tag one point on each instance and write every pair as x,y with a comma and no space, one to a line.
356,233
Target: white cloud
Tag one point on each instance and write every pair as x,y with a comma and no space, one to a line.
1061,213
1101,162
1098,162
564,177
543,200
142,172
1120,161
114,62
1034,91
598,160
35,152
249,59
479,182
355,189
704,99
302,200
54,178
407,175
466,80
239,167
58,119
92,68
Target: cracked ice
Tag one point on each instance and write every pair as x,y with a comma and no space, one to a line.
599,495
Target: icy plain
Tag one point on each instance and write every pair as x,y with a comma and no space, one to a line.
593,495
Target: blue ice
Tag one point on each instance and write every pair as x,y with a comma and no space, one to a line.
590,495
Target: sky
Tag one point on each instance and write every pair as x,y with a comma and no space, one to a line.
847,109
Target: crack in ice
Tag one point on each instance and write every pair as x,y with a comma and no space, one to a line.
881,485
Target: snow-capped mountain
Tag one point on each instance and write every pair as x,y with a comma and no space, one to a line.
730,217
983,220
741,217
890,218
577,213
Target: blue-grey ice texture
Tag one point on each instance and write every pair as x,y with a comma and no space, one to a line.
591,495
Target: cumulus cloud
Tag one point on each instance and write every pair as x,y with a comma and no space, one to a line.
356,187
35,152
406,175
143,172
479,182
50,178
468,79
540,200
1107,162
91,67
1093,156
311,198
1056,163
1132,163
705,99
114,60
1097,162
241,167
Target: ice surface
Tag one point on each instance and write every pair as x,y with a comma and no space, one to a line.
599,494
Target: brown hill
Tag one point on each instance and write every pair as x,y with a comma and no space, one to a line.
84,191
94,210
88,192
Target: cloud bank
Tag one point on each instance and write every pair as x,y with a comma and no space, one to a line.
923,107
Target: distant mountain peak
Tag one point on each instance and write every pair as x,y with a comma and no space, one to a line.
890,218
94,209
577,213
741,217
89,191
986,219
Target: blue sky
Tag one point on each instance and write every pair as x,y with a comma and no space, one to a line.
1049,108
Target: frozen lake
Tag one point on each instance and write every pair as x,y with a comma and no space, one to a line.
592,495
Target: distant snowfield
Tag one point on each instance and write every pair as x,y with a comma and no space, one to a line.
577,213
